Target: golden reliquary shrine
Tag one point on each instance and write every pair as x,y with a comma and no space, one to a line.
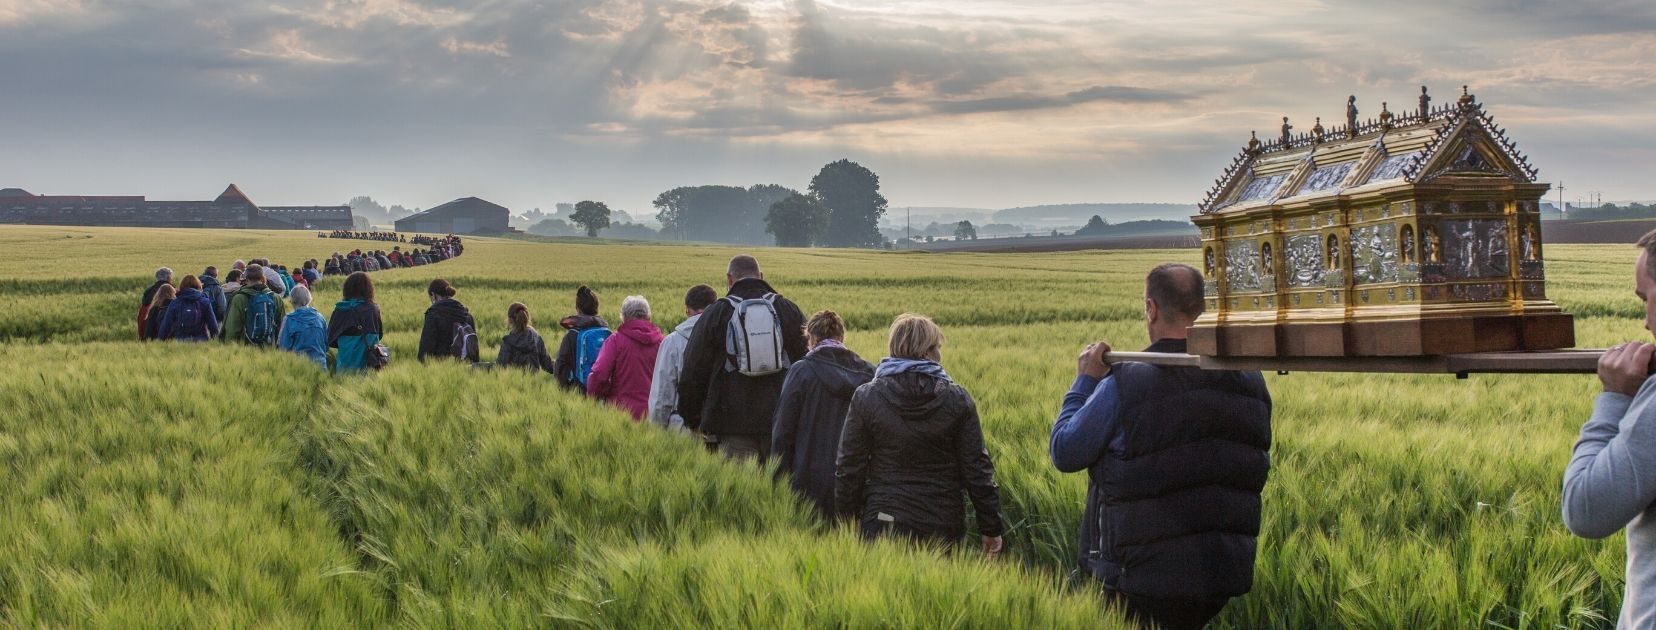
1407,234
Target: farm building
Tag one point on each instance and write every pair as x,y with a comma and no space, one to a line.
468,215
231,209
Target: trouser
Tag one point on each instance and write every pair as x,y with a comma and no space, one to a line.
741,446
1168,614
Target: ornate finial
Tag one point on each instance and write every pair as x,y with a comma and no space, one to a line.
1466,96
1317,131
1287,132
1385,116
1351,115
1253,142
1425,102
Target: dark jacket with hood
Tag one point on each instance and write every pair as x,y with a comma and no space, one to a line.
720,401
215,294
152,324
1173,507
810,418
353,327
912,445
573,325
437,338
525,349
172,318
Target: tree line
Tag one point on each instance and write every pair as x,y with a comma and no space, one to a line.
841,208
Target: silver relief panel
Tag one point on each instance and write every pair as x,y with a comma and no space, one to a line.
1305,260
1475,248
1374,254
1242,269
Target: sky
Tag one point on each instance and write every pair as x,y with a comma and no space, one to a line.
968,103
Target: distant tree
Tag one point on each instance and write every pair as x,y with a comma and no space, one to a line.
728,214
852,194
1096,226
360,222
965,232
554,227
796,221
633,231
591,215
398,212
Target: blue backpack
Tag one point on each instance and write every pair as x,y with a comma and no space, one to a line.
260,325
588,341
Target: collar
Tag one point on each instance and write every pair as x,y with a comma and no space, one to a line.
1167,346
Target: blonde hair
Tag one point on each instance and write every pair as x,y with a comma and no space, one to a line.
825,325
166,292
916,337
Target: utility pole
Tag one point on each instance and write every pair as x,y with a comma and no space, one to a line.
1561,213
908,223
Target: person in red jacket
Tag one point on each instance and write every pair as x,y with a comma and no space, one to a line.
626,363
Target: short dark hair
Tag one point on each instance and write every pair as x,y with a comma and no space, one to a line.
359,287
1648,244
743,266
210,271
1176,287
700,297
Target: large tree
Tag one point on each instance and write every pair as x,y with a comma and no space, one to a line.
852,194
592,215
796,221
726,214
965,232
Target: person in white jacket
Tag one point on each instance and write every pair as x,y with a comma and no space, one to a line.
670,360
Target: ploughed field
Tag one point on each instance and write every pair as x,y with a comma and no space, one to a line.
167,484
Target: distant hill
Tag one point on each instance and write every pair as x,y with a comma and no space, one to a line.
1078,213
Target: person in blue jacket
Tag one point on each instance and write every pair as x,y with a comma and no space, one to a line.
355,328
189,317
303,330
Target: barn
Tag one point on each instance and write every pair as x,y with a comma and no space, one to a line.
468,215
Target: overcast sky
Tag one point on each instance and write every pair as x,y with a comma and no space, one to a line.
971,103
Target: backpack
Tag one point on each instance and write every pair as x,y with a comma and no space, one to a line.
588,341
188,322
259,327
753,338
463,344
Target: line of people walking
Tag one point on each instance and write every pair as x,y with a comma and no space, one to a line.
1176,457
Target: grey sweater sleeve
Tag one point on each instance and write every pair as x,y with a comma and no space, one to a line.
1612,474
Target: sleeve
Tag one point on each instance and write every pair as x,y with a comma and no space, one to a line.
978,471
379,326
851,466
1610,478
701,357
602,381
786,422
793,341
285,338
501,355
429,337
565,366
164,331
543,359
1086,423
281,313
664,383
212,325
233,319
219,303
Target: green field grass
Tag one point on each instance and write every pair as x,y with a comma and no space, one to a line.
167,484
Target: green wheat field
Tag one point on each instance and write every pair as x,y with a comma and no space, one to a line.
210,486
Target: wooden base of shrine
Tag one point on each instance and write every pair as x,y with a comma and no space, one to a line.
1387,338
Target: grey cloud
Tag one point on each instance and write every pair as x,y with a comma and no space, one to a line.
1112,93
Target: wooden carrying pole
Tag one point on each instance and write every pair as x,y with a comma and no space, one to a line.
1550,362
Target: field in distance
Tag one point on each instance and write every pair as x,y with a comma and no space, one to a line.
211,485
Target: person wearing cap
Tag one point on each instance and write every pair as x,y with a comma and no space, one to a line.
303,330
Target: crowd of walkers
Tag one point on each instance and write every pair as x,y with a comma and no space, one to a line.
390,237
895,447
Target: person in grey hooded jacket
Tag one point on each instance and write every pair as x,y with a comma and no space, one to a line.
670,360
811,413
523,346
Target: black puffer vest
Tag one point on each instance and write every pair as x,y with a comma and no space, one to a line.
1174,512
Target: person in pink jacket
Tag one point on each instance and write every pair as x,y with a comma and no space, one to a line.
626,363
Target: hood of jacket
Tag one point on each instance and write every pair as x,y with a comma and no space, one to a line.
194,295
307,316
581,322
688,325
841,370
527,342
449,308
915,396
347,305
208,281
252,289
641,331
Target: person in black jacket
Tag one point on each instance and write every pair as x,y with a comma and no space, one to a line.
585,317
523,346
733,410
1176,460
912,445
811,413
445,313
